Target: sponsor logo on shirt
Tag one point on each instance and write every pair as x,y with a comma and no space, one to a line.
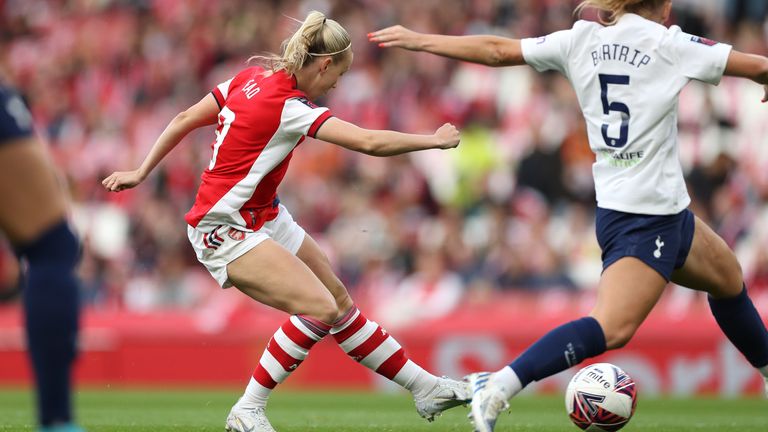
703,41
307,102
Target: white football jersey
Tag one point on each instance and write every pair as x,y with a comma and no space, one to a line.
627,79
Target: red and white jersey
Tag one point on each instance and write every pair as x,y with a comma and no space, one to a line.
263,118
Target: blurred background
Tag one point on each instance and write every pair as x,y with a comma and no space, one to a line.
466,255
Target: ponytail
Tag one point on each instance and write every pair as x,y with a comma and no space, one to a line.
617,8
318,36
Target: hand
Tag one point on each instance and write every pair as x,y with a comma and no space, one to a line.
120,180
397,36
448,136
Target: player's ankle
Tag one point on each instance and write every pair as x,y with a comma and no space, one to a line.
422,384
246,402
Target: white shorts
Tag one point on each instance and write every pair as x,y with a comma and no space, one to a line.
218,248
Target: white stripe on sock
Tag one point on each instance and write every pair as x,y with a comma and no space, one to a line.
273,367
300,325
358,338
289,347
349,322
382,352
415,379
255,395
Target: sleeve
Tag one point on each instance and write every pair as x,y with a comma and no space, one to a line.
221,91
700,58
548,52
15,119
302,117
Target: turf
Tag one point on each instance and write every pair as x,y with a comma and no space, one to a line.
162,411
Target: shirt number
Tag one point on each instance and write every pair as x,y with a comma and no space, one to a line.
605,81
226,117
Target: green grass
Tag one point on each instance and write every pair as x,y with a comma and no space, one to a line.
164,411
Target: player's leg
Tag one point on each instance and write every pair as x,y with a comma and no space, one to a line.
627,292
272,275
370,345
33,218
712,267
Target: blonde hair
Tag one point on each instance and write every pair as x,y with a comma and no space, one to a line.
317,36
617,8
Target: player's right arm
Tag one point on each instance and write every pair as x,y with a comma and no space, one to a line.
384,142
201,114
487,50
754,67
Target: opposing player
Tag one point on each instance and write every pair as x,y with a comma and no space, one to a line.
33,217
247,239
627,74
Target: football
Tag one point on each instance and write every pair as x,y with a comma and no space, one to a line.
601,397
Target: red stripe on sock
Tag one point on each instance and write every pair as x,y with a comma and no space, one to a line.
393,364
286,361
297,336
353,328
374,341
263,377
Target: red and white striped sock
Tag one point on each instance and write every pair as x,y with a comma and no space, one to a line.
285,351
370,345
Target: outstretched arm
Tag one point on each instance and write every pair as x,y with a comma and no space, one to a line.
201,114
754,67
384,142
487,50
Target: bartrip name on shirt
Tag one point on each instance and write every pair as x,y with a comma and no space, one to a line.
622,53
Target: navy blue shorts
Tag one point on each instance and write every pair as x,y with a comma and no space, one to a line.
15,120
662,242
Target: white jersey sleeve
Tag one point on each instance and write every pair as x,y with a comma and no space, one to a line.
302,117
700,58
548,52
221,92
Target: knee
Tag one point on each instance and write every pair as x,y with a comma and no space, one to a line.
731,278
325,310
618,335
344,303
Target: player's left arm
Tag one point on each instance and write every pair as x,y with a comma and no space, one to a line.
203,113
487,50
752,66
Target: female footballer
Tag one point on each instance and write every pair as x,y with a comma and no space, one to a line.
247,239
627,72
34,218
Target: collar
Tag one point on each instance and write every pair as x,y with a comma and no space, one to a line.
630,18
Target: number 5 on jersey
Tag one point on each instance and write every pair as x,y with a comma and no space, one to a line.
605,81
226,117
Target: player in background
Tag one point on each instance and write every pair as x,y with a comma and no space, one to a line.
247,239
34,218
627,73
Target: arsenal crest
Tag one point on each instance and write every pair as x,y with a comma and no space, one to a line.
235,234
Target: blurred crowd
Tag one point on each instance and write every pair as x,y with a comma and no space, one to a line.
510,210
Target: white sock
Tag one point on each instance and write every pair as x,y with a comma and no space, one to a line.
415,379
255,395
507,380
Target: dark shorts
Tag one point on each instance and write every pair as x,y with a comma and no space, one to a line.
15,120
662,242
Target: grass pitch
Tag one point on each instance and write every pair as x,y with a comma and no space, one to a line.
204,410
